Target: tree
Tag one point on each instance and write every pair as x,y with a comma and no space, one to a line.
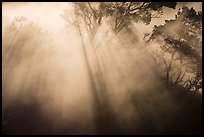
120,14
22,41
88,18
181,38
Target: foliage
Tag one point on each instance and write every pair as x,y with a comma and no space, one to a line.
122,13
182,38
22,41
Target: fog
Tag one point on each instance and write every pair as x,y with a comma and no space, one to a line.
48,88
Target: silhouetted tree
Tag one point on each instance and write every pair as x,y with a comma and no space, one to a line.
88,18
119,14
182,41
24,45
22,40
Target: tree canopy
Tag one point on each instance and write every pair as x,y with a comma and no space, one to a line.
22,40
182,37
121,13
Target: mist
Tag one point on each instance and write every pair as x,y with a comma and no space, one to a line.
48,88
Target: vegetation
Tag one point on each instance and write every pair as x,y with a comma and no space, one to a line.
182,43
134,96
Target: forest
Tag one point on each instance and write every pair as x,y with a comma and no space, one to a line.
101,68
